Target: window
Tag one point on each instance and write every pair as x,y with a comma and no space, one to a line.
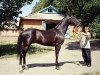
49,10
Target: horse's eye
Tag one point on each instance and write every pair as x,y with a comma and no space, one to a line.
73,18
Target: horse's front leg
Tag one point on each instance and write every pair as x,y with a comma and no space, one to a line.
57,49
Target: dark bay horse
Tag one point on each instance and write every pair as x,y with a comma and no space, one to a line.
53,37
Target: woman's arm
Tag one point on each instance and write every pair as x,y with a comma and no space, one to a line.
88,35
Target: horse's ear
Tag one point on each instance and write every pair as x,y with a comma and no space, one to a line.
67,16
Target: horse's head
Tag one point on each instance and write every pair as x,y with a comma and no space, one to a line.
73,21
77,29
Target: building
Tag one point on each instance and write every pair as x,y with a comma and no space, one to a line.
45,19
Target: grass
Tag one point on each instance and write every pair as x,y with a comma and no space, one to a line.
9,50
8,47
93,73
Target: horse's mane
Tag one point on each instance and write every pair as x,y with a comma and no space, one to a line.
59,23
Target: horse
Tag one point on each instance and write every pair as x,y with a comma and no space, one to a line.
53,37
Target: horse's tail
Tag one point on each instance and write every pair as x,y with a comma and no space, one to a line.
19,45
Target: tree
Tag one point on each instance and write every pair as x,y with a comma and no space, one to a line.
95,27
39,6
9,10
86,10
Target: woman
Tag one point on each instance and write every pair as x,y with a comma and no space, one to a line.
85,45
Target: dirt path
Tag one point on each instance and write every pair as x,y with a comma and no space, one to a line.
44,64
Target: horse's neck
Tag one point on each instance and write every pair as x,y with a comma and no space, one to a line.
62,26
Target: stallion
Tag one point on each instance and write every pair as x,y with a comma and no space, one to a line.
53,37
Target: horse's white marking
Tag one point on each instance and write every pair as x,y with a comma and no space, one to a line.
20,67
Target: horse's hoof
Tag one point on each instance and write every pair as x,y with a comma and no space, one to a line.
57,68
21,71
25,67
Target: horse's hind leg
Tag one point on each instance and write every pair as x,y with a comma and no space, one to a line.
24,57
57,49
20,63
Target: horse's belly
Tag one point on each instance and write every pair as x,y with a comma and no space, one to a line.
47,43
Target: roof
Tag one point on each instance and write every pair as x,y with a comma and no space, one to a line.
41,16
45,15
49,7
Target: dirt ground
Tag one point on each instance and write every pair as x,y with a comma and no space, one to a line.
70,59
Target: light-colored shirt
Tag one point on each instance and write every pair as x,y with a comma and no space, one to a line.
85,40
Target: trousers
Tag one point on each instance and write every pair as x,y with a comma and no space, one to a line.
86,53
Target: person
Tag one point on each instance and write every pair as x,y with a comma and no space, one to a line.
85,45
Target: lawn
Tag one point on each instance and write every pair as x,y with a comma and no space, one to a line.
8,47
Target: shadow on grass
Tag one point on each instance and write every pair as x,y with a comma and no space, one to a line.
10,49
95,45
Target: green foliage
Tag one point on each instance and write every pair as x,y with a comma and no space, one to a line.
39,6
9,10
95,26
86,10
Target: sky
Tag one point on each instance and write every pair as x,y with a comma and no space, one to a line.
27,9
